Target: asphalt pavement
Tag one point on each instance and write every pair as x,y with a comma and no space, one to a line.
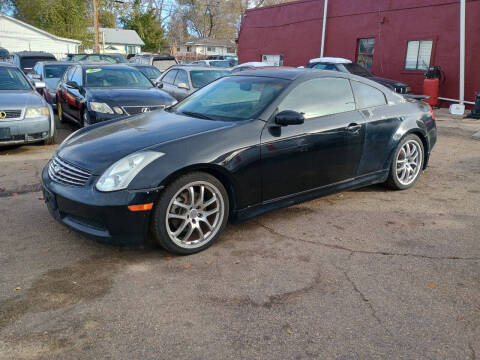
365,274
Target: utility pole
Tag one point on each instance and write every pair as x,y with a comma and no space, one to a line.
324,26
95,20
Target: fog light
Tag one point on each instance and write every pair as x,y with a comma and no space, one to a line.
118,110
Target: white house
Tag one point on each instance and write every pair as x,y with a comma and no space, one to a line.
15,36
205,47
120,41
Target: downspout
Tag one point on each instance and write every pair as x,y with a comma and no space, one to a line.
462,51
324,26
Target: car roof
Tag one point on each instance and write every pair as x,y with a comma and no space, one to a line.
7,64
57,63
90,65
331,60
290,73
196,67
34,54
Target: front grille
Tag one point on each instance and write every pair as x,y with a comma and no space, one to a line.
133,110
10,114
68,174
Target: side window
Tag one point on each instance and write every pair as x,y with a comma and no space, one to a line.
169,78
37,69
77,76
320,97
325,67
182,77
367,96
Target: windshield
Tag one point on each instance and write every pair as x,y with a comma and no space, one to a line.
357,69
221,63
116,77
150,72
29,62
12,79
200,78
55,71
233,98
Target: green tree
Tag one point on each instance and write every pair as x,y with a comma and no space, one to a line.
145,23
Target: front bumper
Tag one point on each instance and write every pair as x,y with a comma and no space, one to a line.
103,217
26,130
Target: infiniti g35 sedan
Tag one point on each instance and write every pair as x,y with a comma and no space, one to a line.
242,145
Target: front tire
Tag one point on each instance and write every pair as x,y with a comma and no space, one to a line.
407,163
191,213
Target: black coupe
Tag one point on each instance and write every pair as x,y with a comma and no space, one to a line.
240,146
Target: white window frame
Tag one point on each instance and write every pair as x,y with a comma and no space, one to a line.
419,47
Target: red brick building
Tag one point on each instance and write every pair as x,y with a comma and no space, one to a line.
397,38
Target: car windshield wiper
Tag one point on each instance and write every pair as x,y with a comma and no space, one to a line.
197,115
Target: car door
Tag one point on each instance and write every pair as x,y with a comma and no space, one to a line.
168,81
64,95
181,80
382,123
76,94
324,150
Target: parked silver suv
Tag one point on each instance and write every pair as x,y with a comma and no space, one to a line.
25,116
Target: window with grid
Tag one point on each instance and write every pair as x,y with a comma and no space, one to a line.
211,48
418,55
365,51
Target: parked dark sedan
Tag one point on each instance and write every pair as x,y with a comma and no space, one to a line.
345,65
243,145
26,60
50,72
91,93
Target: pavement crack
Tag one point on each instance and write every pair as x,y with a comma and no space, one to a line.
367,302
367,252
472,351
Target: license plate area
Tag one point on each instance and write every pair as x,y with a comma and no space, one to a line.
5,134
50,200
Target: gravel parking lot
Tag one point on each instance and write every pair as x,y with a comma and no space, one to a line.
366,274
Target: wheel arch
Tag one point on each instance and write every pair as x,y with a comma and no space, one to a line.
426,147
216,171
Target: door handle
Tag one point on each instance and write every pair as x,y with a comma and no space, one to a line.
354,128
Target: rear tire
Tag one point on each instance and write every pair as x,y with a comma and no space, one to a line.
407,163
190,214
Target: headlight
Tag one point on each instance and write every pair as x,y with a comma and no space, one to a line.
118,110
119,175
36,112
101,108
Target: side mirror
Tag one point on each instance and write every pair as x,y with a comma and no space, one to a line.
289,117
72,84
183,86
159,84
39,85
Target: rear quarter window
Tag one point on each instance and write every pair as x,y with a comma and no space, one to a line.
367,96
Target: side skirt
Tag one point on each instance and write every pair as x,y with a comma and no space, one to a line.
289,200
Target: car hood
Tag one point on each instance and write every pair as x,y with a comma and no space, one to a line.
387,82
131,97
52,83
97,147
19,99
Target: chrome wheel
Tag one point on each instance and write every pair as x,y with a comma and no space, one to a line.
195,214
409,162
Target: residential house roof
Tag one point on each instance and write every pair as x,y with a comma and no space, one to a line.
55,37
121,36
